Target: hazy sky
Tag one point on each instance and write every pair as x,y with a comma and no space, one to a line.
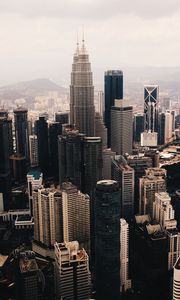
38,37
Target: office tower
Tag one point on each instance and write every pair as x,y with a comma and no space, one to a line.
18,168
176,280
164,213
55,129
121,127
165,103
107,240
70,154
92,158
21,132
161,129
151,102
41,128
82,110
5,176
76,215
100,129
125,282
107,154
62,117
149,257
80,160
124,175
113,87
72,275
139,163
138,127
34,182
33,150
153,182
47,213
30,281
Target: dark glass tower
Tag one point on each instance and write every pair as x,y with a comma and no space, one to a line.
107,240
41,128
21,132
113,87
55,129
5,152
138,127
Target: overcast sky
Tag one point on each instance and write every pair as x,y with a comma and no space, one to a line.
38,37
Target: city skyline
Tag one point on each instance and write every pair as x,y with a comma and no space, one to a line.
37,39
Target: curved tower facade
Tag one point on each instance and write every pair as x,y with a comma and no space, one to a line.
82,110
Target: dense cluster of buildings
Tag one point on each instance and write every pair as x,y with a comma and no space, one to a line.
95,196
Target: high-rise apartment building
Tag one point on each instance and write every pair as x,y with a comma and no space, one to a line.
47,213
34,182
124,175
113,87
33,150
72,275
107,240
21,132
121,127
76,215
82,110
164,213
153,182
125,282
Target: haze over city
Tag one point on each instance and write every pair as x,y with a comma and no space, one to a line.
38,37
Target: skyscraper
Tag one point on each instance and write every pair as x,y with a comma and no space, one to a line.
153,182
55,129
76,215
82,110
176,280
33,150
21,132
41,128
125,282
72,275
47,213
124,175
107,240
151,102
121,127
113,87
5,142
138,127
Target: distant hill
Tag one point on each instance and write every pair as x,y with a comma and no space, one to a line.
30,89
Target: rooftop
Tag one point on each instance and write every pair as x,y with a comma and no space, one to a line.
28,265
36,174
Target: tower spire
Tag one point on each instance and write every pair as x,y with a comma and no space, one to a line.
83,48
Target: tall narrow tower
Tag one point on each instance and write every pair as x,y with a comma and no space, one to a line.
82,111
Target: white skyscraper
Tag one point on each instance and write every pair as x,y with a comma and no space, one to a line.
176,280
125,282
76,215
163,212
72,275
168,127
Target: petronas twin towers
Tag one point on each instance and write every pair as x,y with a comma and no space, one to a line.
82,110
